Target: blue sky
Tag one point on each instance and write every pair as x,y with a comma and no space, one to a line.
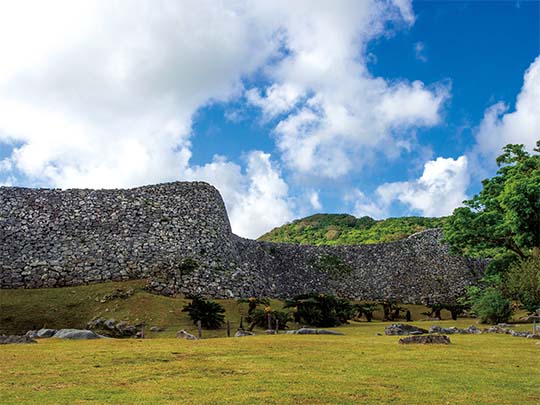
380,108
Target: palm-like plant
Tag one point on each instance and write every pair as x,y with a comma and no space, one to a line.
208,312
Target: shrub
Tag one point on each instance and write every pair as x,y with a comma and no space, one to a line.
367,309
259,317
524,283
253,302
208,312
491,306
321,309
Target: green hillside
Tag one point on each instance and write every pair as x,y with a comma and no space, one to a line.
344,229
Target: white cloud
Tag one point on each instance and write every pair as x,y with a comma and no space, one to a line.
522,126
314,200
338,111
441,188
256,200
419,48
102,94
277,99
363,206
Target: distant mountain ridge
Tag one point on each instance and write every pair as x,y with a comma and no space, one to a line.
345,229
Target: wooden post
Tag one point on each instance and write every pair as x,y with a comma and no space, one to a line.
199,329
277,326
534,326
228,328
142,331
241,323
269,321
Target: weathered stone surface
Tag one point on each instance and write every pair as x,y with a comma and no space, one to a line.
178,236
243,333
45,333
403,329
112,328
76,334
311,331
425,339
6,340
471,330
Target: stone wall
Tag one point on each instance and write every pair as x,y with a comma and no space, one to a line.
178,236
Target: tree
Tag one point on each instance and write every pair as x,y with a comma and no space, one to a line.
524,283
321,310
491,306
505,215
208,312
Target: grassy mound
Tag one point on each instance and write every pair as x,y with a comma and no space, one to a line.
344,229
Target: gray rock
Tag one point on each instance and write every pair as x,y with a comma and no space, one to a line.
76,334
156,329
182,334
5,340
427,339
404,329
45,333
32,334
312,331
110,324
243,333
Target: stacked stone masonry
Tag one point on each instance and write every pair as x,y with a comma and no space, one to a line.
178,236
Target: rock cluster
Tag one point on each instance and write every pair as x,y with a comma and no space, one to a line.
9,339
425,339
310,331
112,328
403,329
178,236
76,334
471,330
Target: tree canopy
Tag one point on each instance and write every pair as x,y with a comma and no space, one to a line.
505,215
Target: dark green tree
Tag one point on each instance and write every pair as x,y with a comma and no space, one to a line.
208,312
523,282
321,309
505,215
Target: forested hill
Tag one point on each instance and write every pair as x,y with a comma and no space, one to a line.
344,229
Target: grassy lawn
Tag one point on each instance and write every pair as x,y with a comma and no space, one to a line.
274,369
359,367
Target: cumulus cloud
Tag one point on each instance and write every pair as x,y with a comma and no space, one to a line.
364,206
522,126
102,94
337,112
438,191
257,199
314,200
441,188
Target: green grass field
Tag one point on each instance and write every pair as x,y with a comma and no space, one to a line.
359,367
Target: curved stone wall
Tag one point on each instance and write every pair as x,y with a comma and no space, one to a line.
178,236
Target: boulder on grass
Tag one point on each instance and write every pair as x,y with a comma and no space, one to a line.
76,334
6,340
243,333
182,334
310,331
45,333
403,329
424,340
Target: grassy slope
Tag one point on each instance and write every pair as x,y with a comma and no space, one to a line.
358,367
22,310
343,229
